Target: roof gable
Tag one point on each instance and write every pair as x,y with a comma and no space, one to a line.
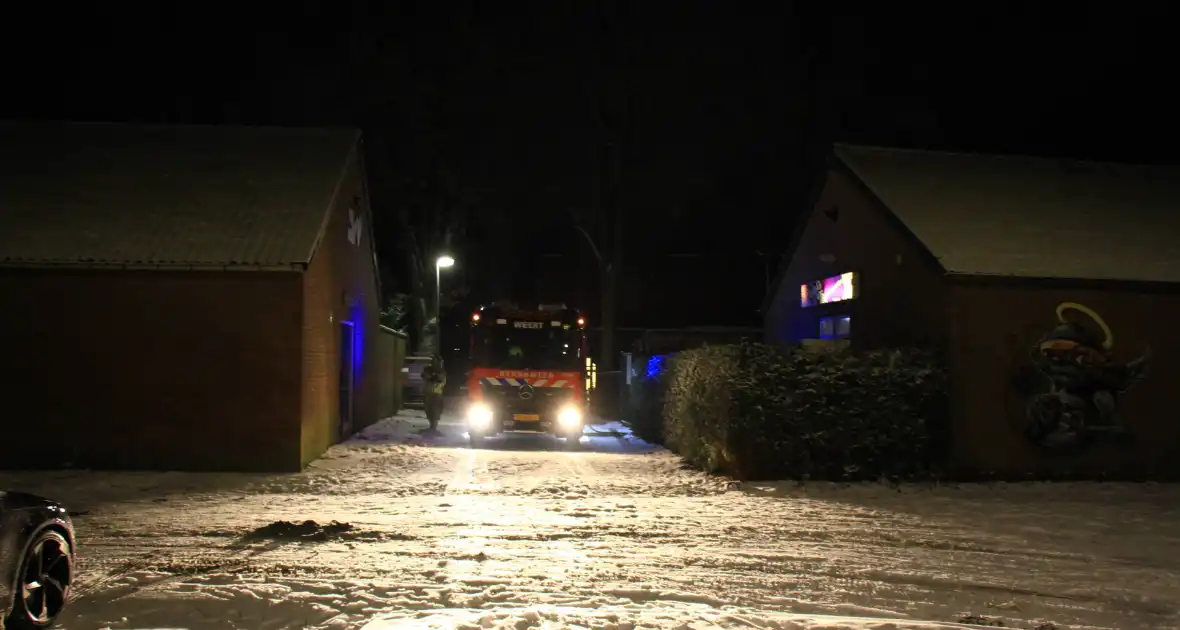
1030,217
98,194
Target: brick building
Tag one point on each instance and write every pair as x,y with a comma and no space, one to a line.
1020,269
186,297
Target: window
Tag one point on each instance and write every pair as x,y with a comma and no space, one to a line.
542,348
835,289
835,327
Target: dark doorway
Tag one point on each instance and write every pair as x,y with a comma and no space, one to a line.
347,354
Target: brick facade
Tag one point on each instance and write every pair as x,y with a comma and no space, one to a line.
988,328
150,370
341,286
194,370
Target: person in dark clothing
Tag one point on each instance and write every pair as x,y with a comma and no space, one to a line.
434,379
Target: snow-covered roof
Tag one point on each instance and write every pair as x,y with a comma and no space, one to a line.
100,194
1030,217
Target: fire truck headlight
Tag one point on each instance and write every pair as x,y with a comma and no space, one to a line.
569,416
479,416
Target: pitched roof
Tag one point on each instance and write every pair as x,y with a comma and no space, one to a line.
99,194
1030,217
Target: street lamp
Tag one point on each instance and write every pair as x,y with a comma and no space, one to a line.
440,263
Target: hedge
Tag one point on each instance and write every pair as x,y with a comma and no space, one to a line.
644,400
756,411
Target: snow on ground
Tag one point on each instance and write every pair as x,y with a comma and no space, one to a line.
615,534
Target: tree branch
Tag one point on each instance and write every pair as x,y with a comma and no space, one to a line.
589,238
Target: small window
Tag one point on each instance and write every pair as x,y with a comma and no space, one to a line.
835,327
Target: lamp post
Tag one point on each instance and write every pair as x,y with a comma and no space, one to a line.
440,263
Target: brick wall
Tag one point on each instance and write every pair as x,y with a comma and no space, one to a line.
994,328
391,349
150,370
341,286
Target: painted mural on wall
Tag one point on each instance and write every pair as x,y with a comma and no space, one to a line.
1082,382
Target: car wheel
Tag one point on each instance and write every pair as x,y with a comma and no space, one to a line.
474,440
43,584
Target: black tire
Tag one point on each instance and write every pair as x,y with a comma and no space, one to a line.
474,440
48,562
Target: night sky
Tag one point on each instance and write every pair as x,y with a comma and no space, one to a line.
494,105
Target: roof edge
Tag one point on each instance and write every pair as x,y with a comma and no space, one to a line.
813,195
326,220
839,146
25,122
864,188
298,267
1126,284
363,173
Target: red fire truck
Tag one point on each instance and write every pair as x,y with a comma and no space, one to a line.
528,372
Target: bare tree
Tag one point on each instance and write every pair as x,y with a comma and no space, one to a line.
603,225
431,219
395,312
420,86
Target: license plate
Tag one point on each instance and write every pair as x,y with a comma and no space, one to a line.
526,416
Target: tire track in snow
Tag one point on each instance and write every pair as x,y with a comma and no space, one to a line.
574,484
533,482
232,557
464,472
89,585
585,470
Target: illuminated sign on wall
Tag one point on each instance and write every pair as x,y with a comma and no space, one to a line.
355,225
835,289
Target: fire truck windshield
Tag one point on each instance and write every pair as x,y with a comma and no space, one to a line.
548,348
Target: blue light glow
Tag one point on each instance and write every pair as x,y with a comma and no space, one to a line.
655,365
356,315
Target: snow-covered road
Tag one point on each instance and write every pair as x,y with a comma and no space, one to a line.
616,534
